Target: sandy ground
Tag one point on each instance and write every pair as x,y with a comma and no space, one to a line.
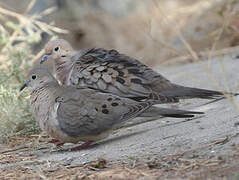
211,138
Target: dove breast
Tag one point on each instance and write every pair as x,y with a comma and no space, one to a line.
45,113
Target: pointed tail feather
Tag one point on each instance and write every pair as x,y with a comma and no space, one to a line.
182,92
167,112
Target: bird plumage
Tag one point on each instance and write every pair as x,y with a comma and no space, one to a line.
74,114
113,72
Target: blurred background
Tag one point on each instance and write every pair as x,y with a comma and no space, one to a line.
148,30
157,32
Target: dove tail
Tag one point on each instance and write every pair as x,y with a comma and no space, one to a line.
182,92
166,112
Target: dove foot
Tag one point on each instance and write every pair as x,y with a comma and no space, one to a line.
83,146
54,141
57,142
60,144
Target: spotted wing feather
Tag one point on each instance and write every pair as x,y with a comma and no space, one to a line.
113,72
88,112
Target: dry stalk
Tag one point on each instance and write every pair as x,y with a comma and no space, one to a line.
201,55
196,58
32,21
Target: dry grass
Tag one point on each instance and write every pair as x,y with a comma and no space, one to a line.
17,33
149,32
226,25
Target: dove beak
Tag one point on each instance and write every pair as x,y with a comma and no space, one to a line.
44,58
25,85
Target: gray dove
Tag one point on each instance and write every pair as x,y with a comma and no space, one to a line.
73,114
110,71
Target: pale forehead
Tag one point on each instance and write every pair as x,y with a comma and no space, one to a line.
59,42
39,71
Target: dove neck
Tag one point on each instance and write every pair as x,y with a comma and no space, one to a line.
62,71
42,101
47,92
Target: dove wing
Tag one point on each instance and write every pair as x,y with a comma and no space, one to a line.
117,73
85,112
113,72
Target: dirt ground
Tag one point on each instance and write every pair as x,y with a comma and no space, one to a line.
204,147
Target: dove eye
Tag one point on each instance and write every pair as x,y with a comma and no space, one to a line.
56,48
34,76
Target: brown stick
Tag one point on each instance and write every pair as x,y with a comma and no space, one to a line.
220,141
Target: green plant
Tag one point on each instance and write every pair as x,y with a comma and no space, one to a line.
16,37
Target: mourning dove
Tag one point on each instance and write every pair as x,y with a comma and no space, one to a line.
73,114
110,71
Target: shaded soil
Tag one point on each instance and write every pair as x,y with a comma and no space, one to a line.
183,165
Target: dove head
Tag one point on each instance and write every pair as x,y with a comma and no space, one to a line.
57,50
38,78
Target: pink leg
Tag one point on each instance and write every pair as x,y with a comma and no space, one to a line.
60,144
57,142
54,141
83,146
